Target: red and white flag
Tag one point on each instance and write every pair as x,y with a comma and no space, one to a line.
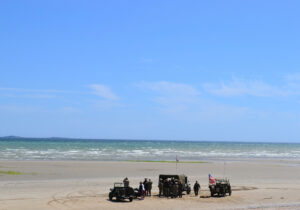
211,179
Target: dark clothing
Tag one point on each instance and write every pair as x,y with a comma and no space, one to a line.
146,186
196,188
171,188
175,190
166,188
160,187
126,182
180,190
149,187
141,189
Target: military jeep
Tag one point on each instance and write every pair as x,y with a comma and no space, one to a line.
186,186
220,187
120,192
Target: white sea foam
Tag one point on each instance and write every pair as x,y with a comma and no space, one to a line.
124,150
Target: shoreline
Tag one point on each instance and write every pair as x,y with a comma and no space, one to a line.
86,150
199,161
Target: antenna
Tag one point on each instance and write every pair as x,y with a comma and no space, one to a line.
176,162
224,170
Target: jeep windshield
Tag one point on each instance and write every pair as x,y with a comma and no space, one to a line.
118,185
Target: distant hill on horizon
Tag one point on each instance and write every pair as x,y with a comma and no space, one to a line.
21,137
12,137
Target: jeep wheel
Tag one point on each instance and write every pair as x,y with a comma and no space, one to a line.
130,199
223,192
110,196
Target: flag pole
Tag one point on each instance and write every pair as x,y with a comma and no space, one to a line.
176,162
224,172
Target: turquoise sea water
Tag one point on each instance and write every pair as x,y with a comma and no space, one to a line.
85,149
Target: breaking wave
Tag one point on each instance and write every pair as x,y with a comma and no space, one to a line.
68,149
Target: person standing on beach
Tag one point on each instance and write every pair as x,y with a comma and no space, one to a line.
142,190
169,183
160,187
180,189
149,187
172,188
176,189
196,188
146,186
166,188
126,182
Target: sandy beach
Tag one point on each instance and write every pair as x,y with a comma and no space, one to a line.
257,184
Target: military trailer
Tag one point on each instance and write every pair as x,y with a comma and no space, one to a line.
220,187
182,178
120,192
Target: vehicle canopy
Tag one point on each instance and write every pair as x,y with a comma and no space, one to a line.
222,181
181,177
118,184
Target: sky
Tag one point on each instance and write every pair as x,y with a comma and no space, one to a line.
167,70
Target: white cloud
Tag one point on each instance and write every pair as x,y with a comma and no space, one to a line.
293,77
174,97
69,110
24,90
293,83
31,93
146,60
239,87
170,88
33,96
104,92
183,102
34,93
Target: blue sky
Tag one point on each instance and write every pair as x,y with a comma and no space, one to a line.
184,70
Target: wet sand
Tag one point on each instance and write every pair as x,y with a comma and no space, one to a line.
256,184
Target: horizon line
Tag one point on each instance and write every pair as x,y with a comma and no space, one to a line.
167,140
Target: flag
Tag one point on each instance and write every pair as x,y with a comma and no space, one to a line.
211,179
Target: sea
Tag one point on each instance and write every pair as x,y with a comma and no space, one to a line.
14,148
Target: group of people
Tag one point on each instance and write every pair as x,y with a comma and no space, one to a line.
173,188
145,188
170,188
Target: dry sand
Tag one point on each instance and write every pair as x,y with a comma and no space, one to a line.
257,184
